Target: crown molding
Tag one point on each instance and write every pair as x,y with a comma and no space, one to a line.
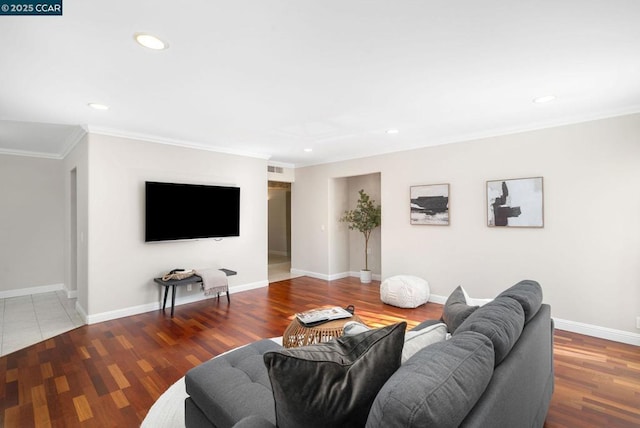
173,142
73,140
481,135
30,154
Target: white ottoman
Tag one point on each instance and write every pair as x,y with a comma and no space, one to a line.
405,291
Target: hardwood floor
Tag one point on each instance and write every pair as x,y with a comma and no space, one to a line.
109,374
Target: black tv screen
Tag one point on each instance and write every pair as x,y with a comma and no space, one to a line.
190,211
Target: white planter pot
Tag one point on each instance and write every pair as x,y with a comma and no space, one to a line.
365,276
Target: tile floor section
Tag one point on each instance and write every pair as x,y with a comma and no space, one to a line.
280,268
27,320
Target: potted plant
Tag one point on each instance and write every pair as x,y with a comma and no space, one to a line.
364,218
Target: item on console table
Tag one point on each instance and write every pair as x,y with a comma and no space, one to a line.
214,281
178,274
317,316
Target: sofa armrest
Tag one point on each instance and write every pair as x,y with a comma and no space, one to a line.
254,421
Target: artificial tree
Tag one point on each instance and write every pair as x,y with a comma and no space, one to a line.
364,218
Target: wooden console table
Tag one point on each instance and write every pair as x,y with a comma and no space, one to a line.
195,279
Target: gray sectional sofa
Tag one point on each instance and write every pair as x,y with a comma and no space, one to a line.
496,370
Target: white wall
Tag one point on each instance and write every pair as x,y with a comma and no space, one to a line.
31,224
585,257
310,219
121,264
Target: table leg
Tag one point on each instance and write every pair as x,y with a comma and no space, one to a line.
166,293
173,299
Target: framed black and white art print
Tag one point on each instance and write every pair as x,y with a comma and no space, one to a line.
515,203
430,204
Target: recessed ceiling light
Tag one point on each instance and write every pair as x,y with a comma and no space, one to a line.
150,41
544,99
308,150
98,106
392,131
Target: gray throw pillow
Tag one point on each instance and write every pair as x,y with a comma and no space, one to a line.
501,321
456,310
333,384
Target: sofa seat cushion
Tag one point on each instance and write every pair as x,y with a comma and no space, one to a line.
501,321
529,294
333,384
233,385
438,386
405,291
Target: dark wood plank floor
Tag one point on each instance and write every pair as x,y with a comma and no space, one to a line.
109,374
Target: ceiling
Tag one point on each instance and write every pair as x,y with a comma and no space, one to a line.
270,78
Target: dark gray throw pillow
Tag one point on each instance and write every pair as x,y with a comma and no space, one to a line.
333,383
456,310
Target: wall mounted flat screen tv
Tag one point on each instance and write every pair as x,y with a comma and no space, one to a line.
176,211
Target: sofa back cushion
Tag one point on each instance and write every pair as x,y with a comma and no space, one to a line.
529,294
436,387
501,321
333,384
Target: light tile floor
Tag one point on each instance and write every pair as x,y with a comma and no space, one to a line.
27,320
280,268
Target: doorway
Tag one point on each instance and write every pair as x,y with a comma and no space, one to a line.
279,230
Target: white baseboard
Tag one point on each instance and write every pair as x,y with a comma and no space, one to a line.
578,327
435,298
597,331
71,294
316,275
250,286
30,290
80,310
148,307
333,276
374,276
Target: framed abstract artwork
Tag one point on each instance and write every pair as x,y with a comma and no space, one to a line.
430,204
515,202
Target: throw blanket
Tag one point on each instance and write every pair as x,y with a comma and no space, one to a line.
214,281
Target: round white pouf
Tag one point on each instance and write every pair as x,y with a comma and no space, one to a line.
405,291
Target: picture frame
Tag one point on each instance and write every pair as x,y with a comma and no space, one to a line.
516,202
429,204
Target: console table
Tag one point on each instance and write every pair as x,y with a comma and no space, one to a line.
195,279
